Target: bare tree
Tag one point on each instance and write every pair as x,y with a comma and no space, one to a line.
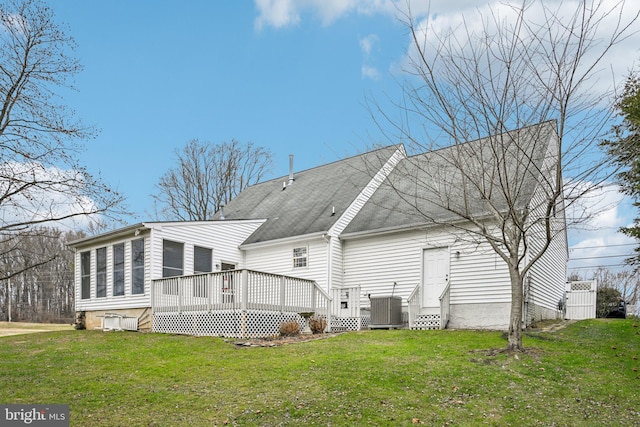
40,180
624,281
45,292
509,67
207,177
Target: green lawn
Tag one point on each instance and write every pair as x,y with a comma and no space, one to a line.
586,374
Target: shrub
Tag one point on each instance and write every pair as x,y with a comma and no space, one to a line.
80,320
606,299
317,325
288,329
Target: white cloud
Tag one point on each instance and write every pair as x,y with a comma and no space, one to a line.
56,194
457,24
370,72
276,13
367,43
283,13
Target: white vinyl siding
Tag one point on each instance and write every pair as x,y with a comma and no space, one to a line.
547,276
375,263
276,259
223,236
477,275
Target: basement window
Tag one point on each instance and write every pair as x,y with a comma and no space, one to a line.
300,257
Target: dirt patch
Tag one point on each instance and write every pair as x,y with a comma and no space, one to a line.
16,331
21,328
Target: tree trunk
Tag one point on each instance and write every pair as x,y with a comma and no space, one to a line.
515,321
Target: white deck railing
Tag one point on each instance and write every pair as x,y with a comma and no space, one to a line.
236,303
415,302
445,306
238,290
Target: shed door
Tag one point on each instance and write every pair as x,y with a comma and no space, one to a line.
435,275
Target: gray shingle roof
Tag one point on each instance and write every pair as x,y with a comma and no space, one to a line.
305,206
423,189
414,193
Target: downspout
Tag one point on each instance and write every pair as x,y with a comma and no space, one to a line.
327,239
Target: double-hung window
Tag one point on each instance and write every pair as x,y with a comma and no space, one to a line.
118,269
300,257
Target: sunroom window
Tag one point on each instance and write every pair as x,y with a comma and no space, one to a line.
172,258
101,272
85,275
118,269
202,260
137,266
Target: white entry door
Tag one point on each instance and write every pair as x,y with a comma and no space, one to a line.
435,275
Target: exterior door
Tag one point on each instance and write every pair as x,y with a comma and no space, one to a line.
435,275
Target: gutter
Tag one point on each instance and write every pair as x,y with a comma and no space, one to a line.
142,226
292,239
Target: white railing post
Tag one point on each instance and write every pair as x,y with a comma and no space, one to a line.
283,299
179,295
153,297
209,290
244,301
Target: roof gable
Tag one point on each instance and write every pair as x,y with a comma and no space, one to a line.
312,203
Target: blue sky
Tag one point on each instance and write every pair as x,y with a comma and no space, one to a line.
292,76
158,74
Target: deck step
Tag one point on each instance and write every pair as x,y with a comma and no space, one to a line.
427,321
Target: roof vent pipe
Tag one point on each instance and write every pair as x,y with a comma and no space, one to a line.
222,212
291,169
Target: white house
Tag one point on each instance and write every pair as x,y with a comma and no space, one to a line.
330,240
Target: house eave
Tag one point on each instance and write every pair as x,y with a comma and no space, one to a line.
285,240
382,231
121,232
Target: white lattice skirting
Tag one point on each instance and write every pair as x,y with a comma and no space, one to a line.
256,324
427,321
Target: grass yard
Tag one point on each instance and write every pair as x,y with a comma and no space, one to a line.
586,374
